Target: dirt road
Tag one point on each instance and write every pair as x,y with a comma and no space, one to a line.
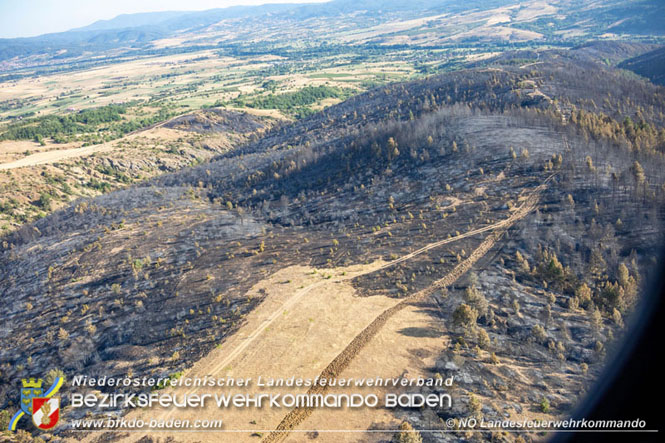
56,155
313,323
342,361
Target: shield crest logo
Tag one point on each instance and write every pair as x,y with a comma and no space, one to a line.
30,390
34,399
46,412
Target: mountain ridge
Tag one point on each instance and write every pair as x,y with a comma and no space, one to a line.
141,31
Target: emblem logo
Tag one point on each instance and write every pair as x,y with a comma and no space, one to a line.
31,388
42,406
47,412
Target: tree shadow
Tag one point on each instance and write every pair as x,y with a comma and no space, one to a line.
421,332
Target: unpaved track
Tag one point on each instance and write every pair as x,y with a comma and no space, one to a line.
243,344
265,324
47,157
343,359
57,155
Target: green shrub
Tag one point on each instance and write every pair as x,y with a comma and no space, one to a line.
52,374
465,316
407,434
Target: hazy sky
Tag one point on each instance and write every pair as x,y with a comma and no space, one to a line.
25,18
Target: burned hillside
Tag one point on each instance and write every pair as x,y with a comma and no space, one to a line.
149,279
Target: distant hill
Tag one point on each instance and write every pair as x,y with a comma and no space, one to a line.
609,51
133,34
131,21
137,30
650,65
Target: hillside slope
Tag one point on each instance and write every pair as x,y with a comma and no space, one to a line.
150,279
650,65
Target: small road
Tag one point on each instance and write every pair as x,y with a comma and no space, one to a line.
343,360
47,157
277,313
56,155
